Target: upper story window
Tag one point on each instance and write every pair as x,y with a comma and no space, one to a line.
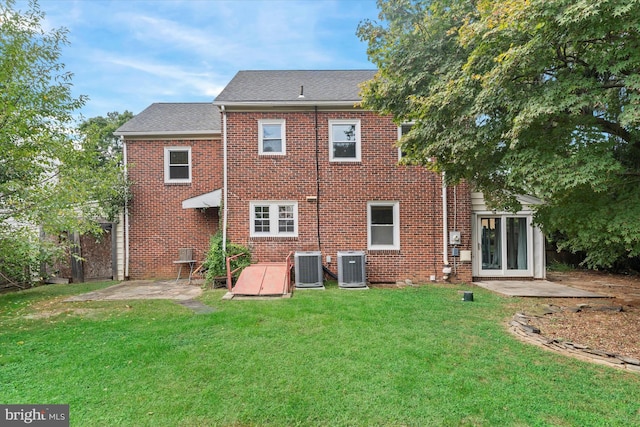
383,220
177,164
403,129
271,137
274,219
344,140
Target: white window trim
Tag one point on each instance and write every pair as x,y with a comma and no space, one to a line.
283,134
273,218
358,140
396,226
167,176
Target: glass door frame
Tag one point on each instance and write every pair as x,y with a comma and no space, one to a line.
503,271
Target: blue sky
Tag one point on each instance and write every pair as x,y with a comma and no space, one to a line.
127,54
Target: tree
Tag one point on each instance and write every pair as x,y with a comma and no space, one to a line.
103,153
98,137
47,177
530,97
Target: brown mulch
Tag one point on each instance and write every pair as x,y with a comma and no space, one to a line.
609,324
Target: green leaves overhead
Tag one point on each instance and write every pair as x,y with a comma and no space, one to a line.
49,177
519,97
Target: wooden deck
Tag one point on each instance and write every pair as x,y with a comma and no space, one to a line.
262,279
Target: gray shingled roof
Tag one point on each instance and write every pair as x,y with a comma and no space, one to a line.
283,87
189,118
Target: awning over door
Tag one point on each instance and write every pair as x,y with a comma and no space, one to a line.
206,200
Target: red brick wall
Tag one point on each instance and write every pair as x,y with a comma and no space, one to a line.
345,189
158,225
459,218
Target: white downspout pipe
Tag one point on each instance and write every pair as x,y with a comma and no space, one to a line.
224,174
446,269
126,209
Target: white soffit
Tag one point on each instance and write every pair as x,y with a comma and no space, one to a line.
206,200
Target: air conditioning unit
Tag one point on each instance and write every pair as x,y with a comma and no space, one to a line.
351,269
308,270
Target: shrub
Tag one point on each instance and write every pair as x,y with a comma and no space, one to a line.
22,253
560,267
215,261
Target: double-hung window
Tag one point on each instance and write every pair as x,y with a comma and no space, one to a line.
177,164
344,140
274,219
383,220
271,137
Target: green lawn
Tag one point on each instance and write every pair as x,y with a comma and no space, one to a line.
384,357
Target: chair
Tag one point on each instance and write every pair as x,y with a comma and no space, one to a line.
185,256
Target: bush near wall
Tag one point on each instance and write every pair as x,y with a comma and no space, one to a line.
215,261
22,253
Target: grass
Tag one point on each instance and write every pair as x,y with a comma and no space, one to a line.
414,356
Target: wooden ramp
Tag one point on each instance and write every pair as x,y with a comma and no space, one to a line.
263,279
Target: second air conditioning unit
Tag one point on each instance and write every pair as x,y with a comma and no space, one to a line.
308,270
351,269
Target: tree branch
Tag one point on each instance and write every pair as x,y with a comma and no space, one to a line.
40,183
616,129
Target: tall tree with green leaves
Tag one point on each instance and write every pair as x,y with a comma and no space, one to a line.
48,178
97,135
532,97
103,153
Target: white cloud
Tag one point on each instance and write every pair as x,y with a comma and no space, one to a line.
135,52
151,30
242,34
172,76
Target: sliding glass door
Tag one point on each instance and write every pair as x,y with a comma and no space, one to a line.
504,243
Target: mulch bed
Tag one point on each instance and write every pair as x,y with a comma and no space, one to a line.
602,329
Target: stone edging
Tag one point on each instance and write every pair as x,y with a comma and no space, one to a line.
521,327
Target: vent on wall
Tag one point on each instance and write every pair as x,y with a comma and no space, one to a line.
308,270
351,269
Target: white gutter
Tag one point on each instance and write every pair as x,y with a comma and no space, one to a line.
224,184
446,269
126,209
191,133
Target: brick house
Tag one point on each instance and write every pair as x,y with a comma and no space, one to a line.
286,161
173,154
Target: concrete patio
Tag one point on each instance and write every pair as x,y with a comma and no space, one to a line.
143,289
535,288
182,291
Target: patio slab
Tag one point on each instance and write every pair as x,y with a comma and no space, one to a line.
536,288
142,289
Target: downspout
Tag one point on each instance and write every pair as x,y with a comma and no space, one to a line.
224,184
317,179
126,208
446,269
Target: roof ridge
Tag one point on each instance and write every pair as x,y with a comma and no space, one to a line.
182,102
280,87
